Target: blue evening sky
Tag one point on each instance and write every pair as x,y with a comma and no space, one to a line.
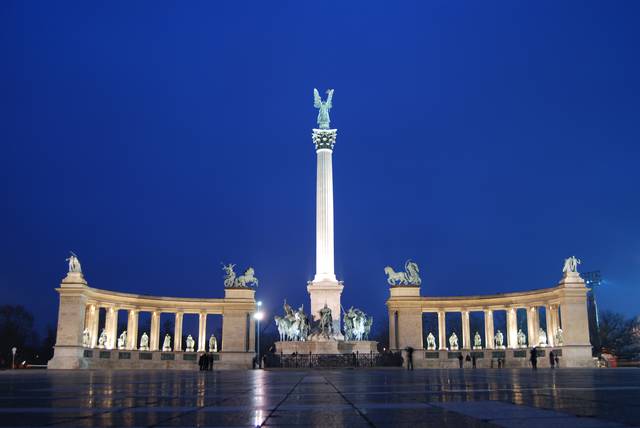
485,140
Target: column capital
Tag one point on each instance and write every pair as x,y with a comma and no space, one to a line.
324,138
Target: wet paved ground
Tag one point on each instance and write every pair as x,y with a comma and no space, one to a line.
469,398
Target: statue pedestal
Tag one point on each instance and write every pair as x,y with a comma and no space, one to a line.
326,292
325,347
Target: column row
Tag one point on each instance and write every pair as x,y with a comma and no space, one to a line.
514,338
108,338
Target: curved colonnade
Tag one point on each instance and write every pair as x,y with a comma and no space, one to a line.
564,306
79,311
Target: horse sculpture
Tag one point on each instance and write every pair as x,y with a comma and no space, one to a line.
247,278
410,277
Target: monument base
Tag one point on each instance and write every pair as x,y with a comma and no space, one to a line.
326,292
76,357
327,347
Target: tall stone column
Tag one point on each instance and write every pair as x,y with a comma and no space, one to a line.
512,328
154,334
488,329
466,333
533,324
442,330
202,332
93,326
325,288
551,340
111,324
132,329
177,334
576,348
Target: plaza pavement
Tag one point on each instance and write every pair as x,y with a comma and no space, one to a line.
363,397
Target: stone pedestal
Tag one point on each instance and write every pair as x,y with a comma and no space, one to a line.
324,347
326,292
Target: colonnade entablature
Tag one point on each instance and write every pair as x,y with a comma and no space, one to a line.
565,310
79,316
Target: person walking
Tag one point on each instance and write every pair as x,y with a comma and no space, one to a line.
409,350
552,360
473,361
460,359
557,360
534,358
201,362
210,361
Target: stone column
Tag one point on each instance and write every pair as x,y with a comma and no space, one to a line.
68,352
466,333
132,329
154,334
177,334
325,288
94,320
576,348
488,329
111,324
442,330
550,328
202,333
393,337
533,325
512,328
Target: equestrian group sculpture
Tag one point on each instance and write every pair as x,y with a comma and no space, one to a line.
357,325
294,325
409,277
242,281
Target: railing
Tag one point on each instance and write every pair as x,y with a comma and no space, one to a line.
332,360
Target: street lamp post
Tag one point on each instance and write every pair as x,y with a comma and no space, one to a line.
258,316
13,357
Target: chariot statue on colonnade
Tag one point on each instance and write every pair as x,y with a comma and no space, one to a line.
242,281
409,277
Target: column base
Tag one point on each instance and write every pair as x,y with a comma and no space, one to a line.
326,292
67,358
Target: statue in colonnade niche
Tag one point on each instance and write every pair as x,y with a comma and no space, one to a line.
431,342
571,265
122,340
477,341
522,339
213,344
144,342
102,340
559,338
409,277
453,341
499,339
166,346
542,337
74,263
86,338
190,343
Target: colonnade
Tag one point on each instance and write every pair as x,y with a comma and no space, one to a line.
79,314
564,306
111,327
533,326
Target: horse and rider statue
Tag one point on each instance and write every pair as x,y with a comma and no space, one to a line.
294,325
242,281
409,277
357,325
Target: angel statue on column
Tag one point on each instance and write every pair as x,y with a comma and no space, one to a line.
323,108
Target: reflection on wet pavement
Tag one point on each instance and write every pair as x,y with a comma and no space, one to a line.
384,397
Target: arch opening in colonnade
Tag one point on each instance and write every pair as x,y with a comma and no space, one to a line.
453,322
430,325
477,324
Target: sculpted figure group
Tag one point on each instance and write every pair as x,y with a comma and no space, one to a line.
295,325
409,277
243,281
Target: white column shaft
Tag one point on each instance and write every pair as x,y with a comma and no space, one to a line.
442,330
512,328
202,333
177,334
551,331
155,332
132,329
488,329
324,217
466,330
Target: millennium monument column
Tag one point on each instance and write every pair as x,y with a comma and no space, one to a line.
325,289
